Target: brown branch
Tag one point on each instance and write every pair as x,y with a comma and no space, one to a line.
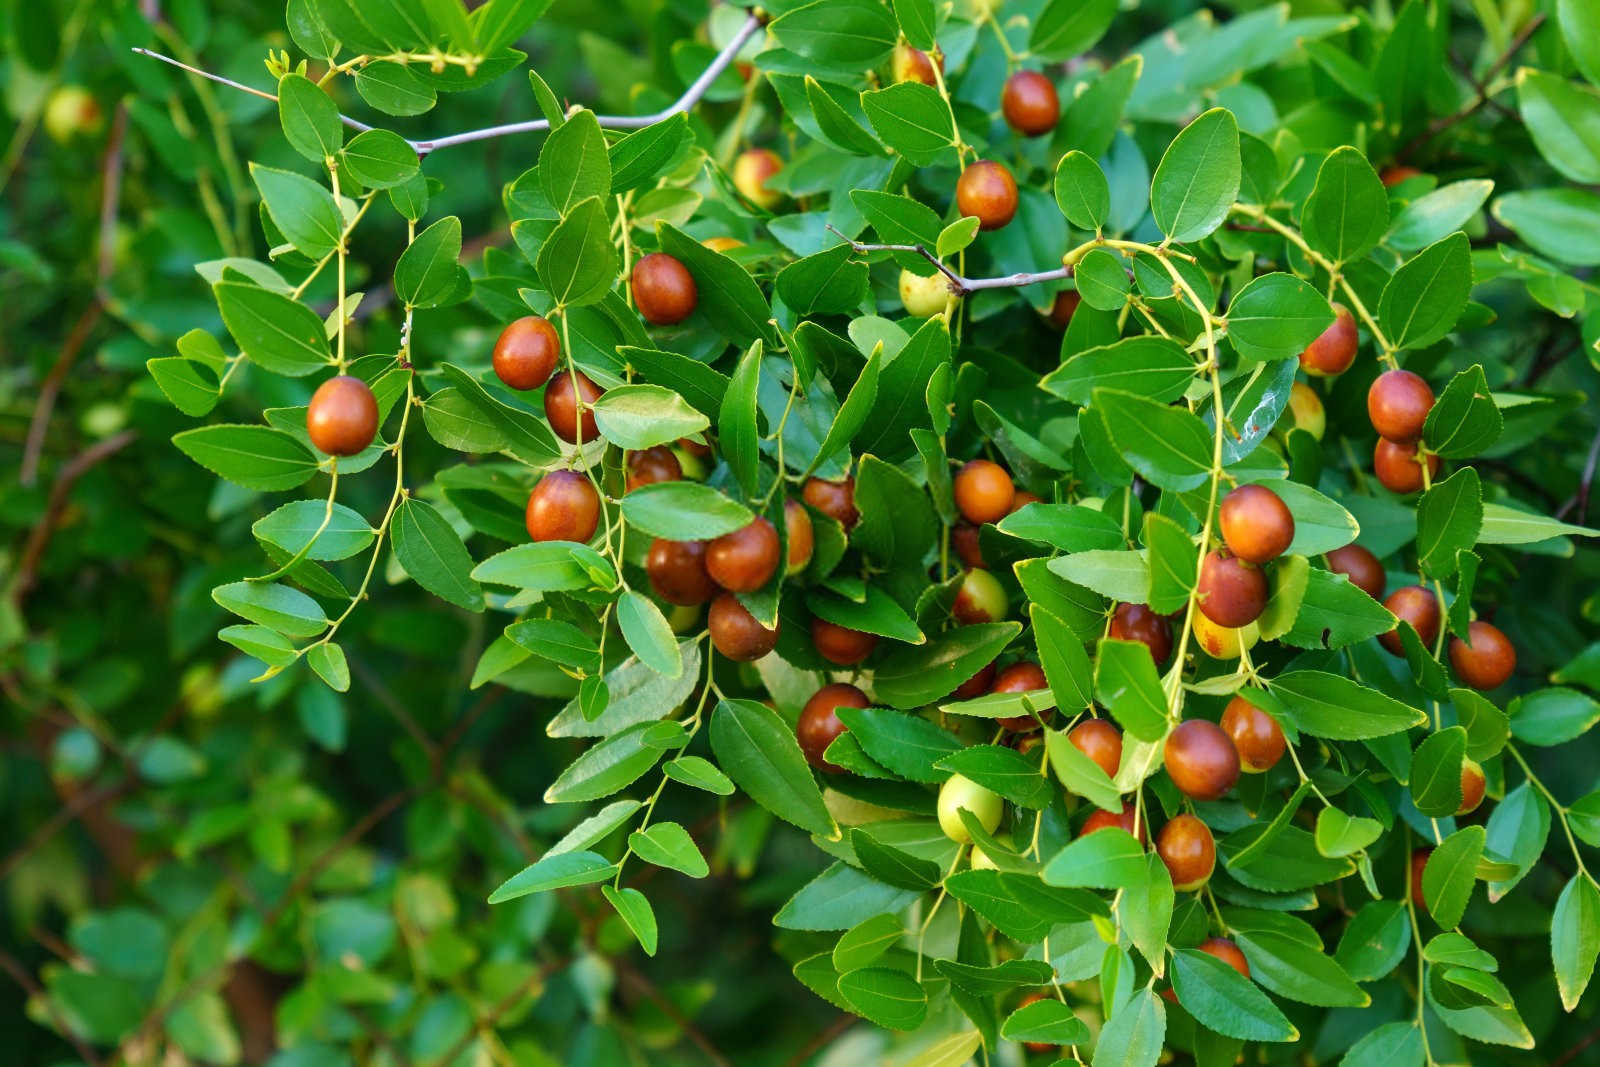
384,696
1480,97
51,387
39,539
57,822
822,1040
1572,1053
12,966
631,976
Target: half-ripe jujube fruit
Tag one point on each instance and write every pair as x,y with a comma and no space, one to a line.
1335,348
677,571
526,353
750,174
983,491
1486,659
736,633
819,725
1399,467
924,296
1030,103
1201,759
567,394
1224,642
1138,622
342,418
1473,784
1306,411
743,560
987,192
651,465
837,500
1256,736
1101,741
1256,524
1231,591
841,645
914,65
563,507
1361,567
802,539
979,598
1419,607
1398,403
1022,677
960,792
1186,846
663,289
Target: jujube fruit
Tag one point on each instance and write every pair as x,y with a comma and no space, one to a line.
924,296
1185,845
1228,952
736,633
1201,760
1256,524
1224,642
977,685
563,397
1231,591
743,560
960,792
1396,173
837,500
526,353
983,491
1100,741
1031,998
1022,677
987,192
1417,606
1100,819
914,65
342,418
1030,103
1486,659
1472,786
1361,567
1256,736
663,289
964,539
1398,468
750,173
1062,307
1306,411
979,598
802,539
1137,622
1418,864
1335,348
677,571
840,644
1398,404
71,111
651,465
819,723
722,243
563,507
1021,499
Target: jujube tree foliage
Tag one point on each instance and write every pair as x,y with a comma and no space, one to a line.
1101,496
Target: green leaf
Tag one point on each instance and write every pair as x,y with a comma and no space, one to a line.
426,272
1563,118
1092,117
1197,180
1575,937
730,299
1276,316
1553,716
907,745
501,22
1170,447
1066,664
256,457
1106,859
526,436
192,387
1047,1021
1082,192
1333,613
667,844
902,392
638,159
1375,941
301,522
1126,683
866,941
310,119
557,871
1338,834
275,606
1134,1034
887,997
1436,772
648,633
737,431
838,899
1172,562
1222,999
1120,574
432,553
1425,297
1068,28
838,123
329,663
891,865
303,210
634,909
1464,421
642,416
1448,520
1000,770
759,752
853,413
829,282
982,981
1508,526
574,164
847,34
897,524
1448,878
912,119
920,674
1518,828
1103,283
1155,368
1081,775
699,773
683,511
1145,910
613,764
1293,966
1397,1044
1337,708
1348,209
259,642
380,159
1438,214
395,88
279,334
1563,223
578,262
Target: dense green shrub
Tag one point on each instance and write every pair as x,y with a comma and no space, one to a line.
1079,434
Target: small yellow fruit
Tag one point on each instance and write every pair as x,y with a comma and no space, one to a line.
1224,642
70,111
750,173
961,792
1306,411
921,296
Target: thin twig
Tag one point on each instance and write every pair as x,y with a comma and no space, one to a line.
46,404
959,285
28,565
19,973
1585,483
691,96
633,977
1480,98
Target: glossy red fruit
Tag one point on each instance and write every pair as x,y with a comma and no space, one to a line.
1021,499
1256,524
1419,862
1100,819
1419,607
837,500
1226,951
1231,591
1062,307
1021,677
1030,103
1398,468
819,723
1335,348
342,418
964,539
979,598
526,353
840,644
983,491
563,507
677,571
1361,567
987,191
1398,404
1201,760
736,633
1396,173
802,539
1487,659
977,685
743,560
1100,741
563,397
1256,736
651,465
663,289
1136,622
1185,845
1472,786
